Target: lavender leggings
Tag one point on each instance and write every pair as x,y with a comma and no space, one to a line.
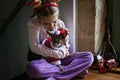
77,63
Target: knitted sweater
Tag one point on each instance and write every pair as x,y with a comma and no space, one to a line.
37,32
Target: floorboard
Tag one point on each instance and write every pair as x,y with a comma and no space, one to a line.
94,74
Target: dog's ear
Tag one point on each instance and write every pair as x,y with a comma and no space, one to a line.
66,33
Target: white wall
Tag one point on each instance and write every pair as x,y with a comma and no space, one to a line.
67,15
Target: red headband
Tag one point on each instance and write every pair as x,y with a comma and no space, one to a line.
42,5
49,4
46,5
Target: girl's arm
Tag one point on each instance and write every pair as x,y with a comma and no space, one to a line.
36,47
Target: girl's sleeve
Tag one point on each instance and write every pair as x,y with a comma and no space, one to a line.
36,47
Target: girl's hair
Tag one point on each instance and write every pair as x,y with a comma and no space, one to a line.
47,8
44,8
47,11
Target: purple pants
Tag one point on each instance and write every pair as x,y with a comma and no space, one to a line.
77,63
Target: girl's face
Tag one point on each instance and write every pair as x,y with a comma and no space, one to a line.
49,22
50,26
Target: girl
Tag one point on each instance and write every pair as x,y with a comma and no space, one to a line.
46,19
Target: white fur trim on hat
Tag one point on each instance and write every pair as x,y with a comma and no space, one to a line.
43,42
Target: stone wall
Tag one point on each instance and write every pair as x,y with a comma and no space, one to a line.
91,25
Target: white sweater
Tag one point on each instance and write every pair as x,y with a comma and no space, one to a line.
36,33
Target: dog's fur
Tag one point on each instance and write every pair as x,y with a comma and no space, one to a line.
58,41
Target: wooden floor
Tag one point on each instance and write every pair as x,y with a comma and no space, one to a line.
93,75
96,75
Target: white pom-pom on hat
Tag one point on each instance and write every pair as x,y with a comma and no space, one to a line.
57,32
61,32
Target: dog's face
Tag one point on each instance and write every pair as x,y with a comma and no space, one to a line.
58,40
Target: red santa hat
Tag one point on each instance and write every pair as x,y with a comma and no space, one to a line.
46,42
61,32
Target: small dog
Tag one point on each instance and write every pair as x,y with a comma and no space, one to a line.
56,41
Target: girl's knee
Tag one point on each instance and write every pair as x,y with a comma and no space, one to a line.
90,57
87,56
